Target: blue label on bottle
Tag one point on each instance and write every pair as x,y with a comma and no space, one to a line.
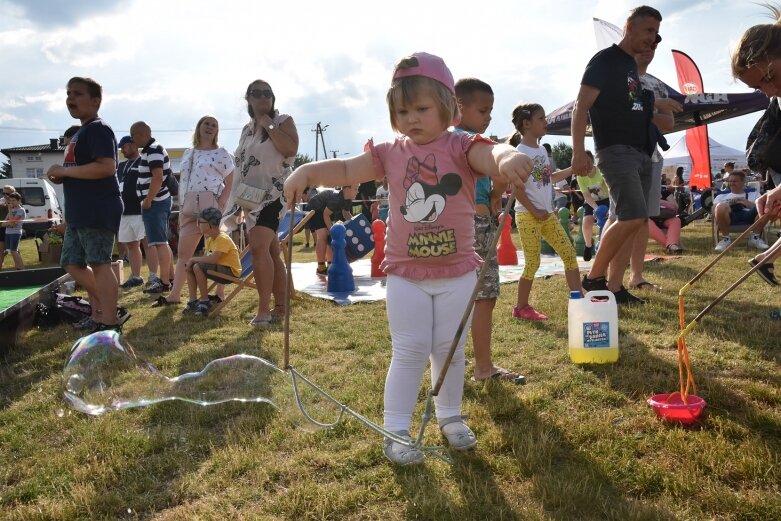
596,334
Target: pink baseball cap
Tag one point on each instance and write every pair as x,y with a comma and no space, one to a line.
429,66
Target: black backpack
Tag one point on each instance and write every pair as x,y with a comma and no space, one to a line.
172,183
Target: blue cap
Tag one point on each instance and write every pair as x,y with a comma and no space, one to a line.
125,140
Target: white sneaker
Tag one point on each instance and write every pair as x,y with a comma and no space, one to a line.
756,242
459,436
723,244
401,454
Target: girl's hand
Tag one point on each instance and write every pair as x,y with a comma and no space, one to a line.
295,186
515,168
770,202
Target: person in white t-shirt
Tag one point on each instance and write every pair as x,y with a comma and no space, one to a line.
736,207
534,210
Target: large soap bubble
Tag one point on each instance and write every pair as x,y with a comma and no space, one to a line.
104,374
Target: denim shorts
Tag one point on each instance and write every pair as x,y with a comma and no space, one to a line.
83,246
627,172
156,222
12,241
739,216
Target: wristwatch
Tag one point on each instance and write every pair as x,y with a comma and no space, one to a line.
271,127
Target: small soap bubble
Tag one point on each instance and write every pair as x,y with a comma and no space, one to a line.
60,413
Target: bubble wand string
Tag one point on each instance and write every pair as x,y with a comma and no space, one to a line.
685,374
471,304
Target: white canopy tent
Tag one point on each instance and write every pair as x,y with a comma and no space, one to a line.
678,155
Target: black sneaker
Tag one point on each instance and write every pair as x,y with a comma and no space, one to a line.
132,282
626,298
588,251
122,315
157,288
597,284
106,327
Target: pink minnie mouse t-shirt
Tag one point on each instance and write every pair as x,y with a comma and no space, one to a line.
431,206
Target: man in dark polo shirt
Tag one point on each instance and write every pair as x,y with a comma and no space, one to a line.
620,112
131,226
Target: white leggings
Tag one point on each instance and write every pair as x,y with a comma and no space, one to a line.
424,317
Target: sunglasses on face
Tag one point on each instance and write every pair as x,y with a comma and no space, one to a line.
261,93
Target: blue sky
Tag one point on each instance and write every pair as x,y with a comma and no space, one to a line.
170,62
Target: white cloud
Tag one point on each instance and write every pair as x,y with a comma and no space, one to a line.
171,62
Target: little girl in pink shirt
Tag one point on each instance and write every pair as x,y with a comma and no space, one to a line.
429,249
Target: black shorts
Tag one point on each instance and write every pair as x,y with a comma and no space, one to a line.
588,210
269,216
317,221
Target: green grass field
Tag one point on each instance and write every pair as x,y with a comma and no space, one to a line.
577,442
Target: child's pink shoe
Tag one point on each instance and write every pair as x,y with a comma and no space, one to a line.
528,313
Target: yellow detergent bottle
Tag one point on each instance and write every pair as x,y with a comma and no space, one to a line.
593,327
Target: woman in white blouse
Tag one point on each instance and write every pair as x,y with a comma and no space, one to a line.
206,180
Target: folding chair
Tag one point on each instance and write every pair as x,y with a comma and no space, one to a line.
736,228
300,219
244,280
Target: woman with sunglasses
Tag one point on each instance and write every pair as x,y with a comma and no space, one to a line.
756,61
264,159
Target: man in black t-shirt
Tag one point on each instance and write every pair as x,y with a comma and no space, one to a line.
329,207
367,192
620,112
131,226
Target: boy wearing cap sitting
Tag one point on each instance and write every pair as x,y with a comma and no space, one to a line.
220,255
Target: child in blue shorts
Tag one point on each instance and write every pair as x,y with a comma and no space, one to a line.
93,205
13,229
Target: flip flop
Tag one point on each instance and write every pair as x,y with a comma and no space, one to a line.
766,271
503,375
646,286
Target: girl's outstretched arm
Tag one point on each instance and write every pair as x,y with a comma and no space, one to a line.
500,160
331,172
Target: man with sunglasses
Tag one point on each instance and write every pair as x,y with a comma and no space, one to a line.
620,111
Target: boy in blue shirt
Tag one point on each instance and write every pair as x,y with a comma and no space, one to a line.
475,102
93,205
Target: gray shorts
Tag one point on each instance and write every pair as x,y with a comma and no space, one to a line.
627,172
484,234
220,268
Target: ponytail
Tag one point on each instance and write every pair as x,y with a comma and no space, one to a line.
759,44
